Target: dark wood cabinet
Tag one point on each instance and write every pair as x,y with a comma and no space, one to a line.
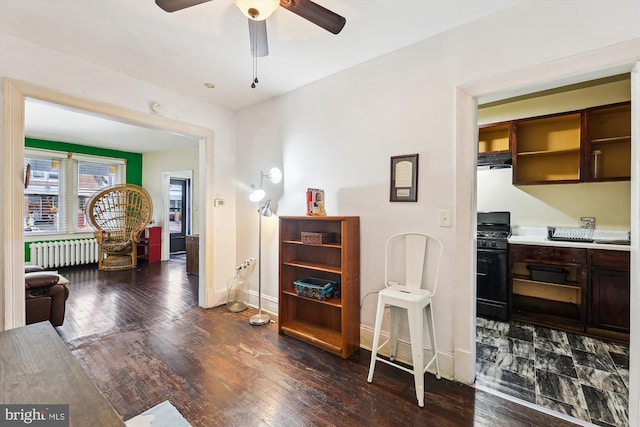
193,254
579,289
588,145
547,149
334,324
607,154
558,297
150,245
609,291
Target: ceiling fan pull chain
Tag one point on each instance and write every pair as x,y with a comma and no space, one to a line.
255,57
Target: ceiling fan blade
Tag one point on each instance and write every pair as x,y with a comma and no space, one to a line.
315,13
173,5
258,37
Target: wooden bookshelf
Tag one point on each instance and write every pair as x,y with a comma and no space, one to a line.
333,325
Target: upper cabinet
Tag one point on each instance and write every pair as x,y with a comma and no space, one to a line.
494,138
588,145
547,149
608,143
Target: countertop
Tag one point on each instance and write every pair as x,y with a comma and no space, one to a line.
537,236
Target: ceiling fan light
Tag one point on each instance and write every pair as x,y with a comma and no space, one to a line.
257,10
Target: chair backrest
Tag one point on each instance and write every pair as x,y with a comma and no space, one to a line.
408,256
120,210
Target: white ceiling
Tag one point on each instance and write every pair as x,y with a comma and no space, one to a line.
53,122
209,43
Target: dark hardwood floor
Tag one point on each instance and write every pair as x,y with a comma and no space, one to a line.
142,339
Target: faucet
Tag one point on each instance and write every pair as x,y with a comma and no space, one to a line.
587,222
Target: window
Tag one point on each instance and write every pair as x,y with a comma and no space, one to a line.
59,187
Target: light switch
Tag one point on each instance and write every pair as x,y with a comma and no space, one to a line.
445,218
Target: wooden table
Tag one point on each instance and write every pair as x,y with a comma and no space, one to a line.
36,367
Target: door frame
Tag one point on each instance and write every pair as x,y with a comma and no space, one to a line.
12,251
612,60
166,178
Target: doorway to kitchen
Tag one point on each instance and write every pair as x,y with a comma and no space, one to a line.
547,365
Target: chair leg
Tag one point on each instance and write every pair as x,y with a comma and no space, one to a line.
432,337
376,339
416,333
394,325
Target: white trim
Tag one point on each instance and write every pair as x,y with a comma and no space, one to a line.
608,61
12,258
634,342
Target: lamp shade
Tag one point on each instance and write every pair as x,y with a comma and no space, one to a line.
257,195
257,10
265,209
275,175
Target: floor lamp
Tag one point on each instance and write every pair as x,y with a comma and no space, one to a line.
275,176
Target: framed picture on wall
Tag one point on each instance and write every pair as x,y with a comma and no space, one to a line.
404,178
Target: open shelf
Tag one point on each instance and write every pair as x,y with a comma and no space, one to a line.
323,337
334,302
494,138
333,325
313,266
550,152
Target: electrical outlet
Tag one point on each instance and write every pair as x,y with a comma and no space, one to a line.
445,218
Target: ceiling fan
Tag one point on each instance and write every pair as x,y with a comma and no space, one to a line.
257,11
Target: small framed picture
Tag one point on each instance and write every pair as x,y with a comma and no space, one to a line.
404,178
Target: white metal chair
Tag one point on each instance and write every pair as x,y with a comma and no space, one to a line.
406,256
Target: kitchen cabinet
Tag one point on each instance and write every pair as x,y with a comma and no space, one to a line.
547,149
555,303
576,289
588,145
608,143
609,291
334,324
494,138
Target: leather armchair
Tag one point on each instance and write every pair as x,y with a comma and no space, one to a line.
45,296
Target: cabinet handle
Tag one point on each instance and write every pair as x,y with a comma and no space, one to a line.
540,252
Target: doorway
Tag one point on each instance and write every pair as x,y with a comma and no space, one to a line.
547,366
534,79
15,93
178,214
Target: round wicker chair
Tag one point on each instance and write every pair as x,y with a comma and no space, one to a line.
118,213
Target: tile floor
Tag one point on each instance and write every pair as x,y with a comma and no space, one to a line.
582,377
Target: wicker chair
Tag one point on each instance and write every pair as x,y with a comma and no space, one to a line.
119,213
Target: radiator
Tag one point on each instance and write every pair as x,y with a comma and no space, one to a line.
64,253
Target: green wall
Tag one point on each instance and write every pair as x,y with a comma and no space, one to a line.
134,160
134,164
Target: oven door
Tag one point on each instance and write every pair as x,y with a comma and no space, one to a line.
493,284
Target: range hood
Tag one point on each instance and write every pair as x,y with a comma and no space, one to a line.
495,160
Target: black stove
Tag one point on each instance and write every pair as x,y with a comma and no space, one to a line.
493,296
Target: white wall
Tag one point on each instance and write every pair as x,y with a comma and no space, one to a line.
157,162
47,68
338,133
